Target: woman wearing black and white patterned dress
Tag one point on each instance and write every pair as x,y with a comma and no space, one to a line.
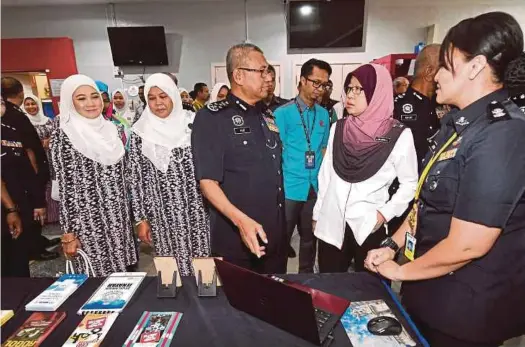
44,127
167,204
88,159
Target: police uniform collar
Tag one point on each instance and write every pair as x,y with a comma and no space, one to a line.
234,100
469,114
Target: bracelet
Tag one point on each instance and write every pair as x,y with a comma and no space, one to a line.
65,236
140,222
11,210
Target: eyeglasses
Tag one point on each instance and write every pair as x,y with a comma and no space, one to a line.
354,89
264,71
317,84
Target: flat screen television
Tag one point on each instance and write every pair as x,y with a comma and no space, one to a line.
326,24
144,46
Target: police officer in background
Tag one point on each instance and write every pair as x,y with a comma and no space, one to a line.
272,101
237,155
465,283
416,108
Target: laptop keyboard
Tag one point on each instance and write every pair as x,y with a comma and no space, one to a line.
321,317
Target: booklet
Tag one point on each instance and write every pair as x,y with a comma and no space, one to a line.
5,315
114,293
154,329
355,321
35,329
55,295
92,330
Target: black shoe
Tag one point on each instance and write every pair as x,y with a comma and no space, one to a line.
53,242
291,252
46,256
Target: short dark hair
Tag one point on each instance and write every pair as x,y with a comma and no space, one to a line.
495,35
271,69
237,55
308,67
173,77
141,87
198,87
192,94
11,87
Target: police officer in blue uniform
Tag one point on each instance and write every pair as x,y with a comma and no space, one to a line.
465,236
237,155
417,107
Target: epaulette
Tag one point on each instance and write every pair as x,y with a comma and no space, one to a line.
218,106
497,112
399,97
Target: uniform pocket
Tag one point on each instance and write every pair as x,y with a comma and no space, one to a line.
441,185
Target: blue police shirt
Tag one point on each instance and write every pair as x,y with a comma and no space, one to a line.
297,178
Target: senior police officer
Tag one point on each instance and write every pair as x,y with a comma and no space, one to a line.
417,107
465,283
237,154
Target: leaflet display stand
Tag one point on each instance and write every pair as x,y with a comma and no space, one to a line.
168,277
206,276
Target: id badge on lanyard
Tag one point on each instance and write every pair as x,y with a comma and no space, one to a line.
410,240
309,155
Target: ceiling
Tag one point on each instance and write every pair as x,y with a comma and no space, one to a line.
84,2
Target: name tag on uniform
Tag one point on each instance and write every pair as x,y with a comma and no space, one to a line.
409,117
309,160
448,154
410,246
383,139
241,131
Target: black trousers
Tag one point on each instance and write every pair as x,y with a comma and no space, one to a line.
299,213
436,338
15,253
331,259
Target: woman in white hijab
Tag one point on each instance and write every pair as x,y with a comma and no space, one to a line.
219,92
44,128
167,204
88,158
121,109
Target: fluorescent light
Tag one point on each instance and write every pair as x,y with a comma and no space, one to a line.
306,10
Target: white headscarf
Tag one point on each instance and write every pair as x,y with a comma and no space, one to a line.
96,138
215,91
123,112
39,118
161,135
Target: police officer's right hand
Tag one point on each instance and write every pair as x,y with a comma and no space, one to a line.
249,230
377,257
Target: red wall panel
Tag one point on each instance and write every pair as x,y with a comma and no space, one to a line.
57,55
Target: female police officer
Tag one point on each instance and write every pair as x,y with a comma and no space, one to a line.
466,285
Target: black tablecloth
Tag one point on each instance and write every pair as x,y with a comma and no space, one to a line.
206,321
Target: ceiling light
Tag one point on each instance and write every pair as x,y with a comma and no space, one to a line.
306,10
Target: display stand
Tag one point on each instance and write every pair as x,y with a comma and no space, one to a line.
168,277
206,276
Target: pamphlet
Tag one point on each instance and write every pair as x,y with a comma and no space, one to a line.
114,293
35,329
92,330
55,295
154,329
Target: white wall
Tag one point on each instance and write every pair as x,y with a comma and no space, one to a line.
203,31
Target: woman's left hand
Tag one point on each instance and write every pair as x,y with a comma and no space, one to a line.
390,270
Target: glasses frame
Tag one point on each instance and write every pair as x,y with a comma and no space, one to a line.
263,71
317,84
353,89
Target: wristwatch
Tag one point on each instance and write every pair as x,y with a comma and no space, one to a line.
388,242
11,210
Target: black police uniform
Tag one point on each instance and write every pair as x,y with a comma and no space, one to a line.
276,103
23,187
478,178
417,112
238,145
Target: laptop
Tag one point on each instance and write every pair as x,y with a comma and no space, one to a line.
304,312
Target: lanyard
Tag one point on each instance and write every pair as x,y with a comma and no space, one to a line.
305,128
432,161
